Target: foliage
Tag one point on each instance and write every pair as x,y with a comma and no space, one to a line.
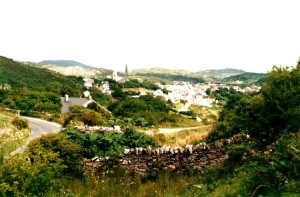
82,114
107,144
146,103
266,115
270,164
21,76
99,97
11,137
225,94
251,172
119,94
68,153
63,89
143,111
100,109
132,83
19,177
31,102
247,78
21,123
172,77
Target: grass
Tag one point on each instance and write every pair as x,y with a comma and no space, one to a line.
120,183
183,137
10,137
5,120
208,115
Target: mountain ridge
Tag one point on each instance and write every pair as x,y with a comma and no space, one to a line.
64,63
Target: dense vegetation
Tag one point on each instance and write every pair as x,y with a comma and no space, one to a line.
56,159
35,90
13,133
170,77
31,103
103,144
146,111
267,114
247,78
268,165
79,115
132,83
23,76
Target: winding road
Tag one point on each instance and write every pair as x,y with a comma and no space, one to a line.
38,128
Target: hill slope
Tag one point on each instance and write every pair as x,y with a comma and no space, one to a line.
20,75
65,63
167,75
219,74
73,68
247,78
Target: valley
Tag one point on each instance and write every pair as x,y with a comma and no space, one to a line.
171,132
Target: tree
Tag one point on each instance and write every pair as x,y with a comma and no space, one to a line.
208,91
282,100
266,115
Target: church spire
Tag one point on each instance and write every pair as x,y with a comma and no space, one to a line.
126,77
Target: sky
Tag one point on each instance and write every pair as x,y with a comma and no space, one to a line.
193,35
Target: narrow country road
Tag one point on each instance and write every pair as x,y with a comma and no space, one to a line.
38,128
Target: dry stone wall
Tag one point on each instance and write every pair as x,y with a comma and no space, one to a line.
174,159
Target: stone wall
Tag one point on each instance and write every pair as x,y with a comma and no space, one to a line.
174,159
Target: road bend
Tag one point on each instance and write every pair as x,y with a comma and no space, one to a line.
39,127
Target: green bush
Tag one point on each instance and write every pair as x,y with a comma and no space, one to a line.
57,143
82,114
20,123
108,144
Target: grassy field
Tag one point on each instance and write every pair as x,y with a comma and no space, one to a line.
5,120
183,137
10,137
189,136
120,183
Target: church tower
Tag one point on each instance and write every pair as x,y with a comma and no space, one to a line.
126,76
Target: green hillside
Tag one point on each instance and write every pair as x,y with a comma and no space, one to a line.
167,75
247,78
20,75
218,74
65,63
163,74
225,71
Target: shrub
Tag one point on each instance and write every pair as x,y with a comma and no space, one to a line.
68,152
20,123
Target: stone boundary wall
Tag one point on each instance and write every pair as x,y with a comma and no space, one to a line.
10,111
174,159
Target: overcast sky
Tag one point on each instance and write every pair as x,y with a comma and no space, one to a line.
195,35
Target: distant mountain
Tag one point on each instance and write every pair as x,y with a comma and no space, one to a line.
21,75
247,78
65,63
72,68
